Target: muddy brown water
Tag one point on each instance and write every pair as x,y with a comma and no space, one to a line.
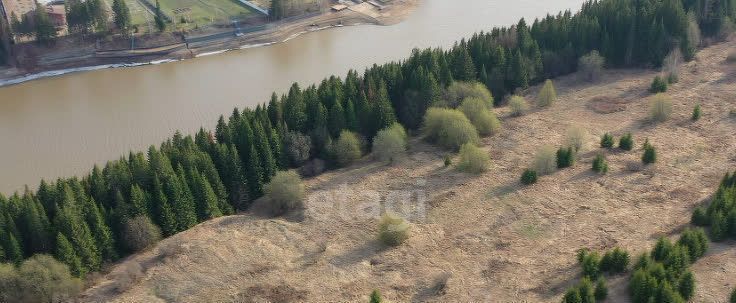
61,126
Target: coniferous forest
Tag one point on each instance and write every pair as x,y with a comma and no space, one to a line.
187,180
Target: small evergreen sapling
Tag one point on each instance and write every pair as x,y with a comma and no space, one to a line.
607,141
650,154
529,177
565,157
600,165
659,85
626,142
375,297
697,112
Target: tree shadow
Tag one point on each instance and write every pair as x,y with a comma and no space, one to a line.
358,254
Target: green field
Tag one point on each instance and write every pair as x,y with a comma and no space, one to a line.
204,12
195,12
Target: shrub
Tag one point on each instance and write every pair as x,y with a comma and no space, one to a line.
448,160
484,120
575,138
659,85
140,233
660,108
591,66
459,91
733,296
297,148
548,94
671,65
545,161
393,230
43,279
9,280
529,177
626,142
347,148
650,154
449,128
285,192
601,289
599,164
131,273
375,296
311,168
473,159
607,141
390,143
518,106
697,112
565,157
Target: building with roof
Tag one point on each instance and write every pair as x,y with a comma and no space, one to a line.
19,8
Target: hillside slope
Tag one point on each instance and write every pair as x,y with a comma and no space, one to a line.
488,237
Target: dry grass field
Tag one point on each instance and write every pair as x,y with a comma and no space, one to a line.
486,238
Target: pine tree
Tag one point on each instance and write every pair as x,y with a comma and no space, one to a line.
122,15
45,30
205,198
13,252
518,72
164,215
607,141
254,173
383,111
263,149
138,202
687,285
336,119
101,232
275,113
65,253
159,18
650,154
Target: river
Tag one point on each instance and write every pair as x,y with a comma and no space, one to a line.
61,126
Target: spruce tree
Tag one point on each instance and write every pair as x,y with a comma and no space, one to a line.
138,202
159,18
122,15
164,214
254,173
336,118
687,285
607,141
65,253
101,232
205,198
383,111
263,148
650,154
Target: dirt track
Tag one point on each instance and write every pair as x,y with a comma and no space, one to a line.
490,238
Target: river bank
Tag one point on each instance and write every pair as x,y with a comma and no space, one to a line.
88,59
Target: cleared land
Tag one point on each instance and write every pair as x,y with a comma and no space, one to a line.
490,238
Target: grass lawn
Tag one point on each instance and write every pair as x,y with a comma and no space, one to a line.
203,12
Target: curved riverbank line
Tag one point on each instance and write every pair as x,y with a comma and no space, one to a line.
212,43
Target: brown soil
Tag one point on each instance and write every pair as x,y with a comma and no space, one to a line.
486,238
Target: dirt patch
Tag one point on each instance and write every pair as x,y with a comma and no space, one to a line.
607,104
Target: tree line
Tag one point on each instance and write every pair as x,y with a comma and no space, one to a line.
187,180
